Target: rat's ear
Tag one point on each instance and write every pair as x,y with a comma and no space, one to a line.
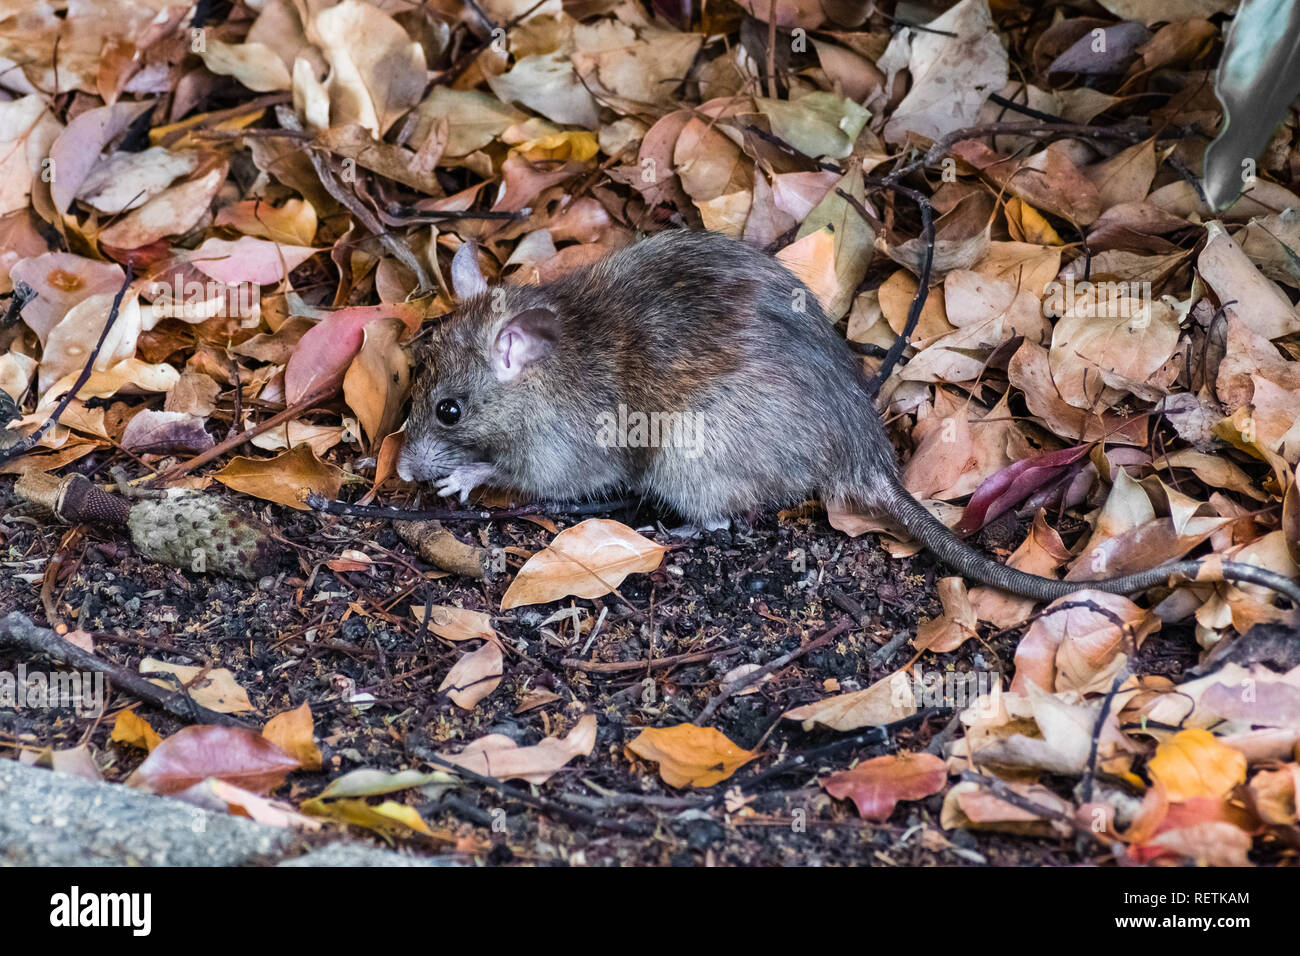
527,337
466,279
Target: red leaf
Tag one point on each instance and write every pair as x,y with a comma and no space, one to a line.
1013,484
876,785
327,349
242,757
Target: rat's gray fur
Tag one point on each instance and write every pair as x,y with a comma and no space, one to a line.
682,322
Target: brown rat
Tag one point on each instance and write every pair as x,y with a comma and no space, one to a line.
690,368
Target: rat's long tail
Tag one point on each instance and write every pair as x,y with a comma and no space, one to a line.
960,556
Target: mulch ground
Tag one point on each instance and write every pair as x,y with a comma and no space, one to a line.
745,596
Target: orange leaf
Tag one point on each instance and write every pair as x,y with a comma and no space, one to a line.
134,731
1192,763
690,756
291,731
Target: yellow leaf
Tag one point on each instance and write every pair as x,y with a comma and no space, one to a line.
576,145
690,756
134,731
1193,763
387,818
1031,225
217,690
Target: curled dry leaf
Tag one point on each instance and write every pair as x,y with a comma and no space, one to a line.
690,756
377,72
1003,491
389,818
193,754
457,623
1047,180
174,211
164,433
474,676
877,785
1213,843
955,64
326,350
376,381
77,761
1275,794
955,626
255,65
972,806
1041,731
293,223
1120,344
247,259
853,239
1043,553
1083,632
1030,371
588,560
498,756
887,700
76,151
222,797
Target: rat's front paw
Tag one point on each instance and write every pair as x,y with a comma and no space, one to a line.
464,480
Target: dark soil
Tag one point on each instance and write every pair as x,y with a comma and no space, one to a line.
313,635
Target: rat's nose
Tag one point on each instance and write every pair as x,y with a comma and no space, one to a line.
406,464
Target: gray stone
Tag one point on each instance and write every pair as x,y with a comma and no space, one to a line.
56,819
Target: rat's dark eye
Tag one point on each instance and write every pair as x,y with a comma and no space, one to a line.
449,411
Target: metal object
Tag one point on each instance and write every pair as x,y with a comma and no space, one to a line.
1257,81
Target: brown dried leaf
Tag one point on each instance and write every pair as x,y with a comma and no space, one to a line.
588,560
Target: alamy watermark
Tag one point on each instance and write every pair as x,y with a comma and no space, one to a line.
955,689
629,428
1103,299
194,300
83,692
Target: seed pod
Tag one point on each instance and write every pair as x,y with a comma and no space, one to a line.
189,529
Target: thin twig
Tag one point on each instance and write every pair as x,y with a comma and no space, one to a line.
310,401
18,631
618,667
753,677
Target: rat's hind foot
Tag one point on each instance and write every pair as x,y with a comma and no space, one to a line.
703,527
464,479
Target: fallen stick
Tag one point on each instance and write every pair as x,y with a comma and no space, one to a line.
18,632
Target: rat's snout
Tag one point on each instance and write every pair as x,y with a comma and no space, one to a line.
406,466
424,458
411,463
